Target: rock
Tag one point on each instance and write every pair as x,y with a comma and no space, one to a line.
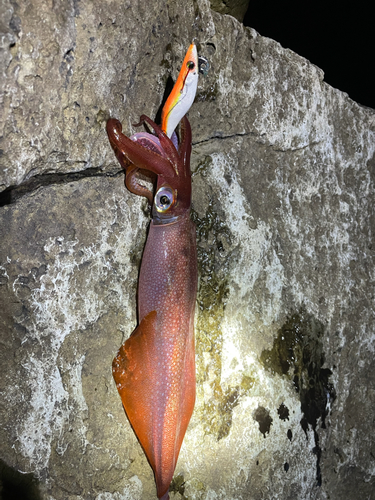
283,191
235,8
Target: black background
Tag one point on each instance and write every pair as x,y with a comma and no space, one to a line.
338,37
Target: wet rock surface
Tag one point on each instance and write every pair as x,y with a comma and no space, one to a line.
283,191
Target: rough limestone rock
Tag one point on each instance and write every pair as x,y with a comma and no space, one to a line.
284,174
235,8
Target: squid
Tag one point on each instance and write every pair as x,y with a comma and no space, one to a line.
154,369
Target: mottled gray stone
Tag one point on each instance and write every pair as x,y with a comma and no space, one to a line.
235,8
283,192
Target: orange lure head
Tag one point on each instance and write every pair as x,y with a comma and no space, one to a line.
183,93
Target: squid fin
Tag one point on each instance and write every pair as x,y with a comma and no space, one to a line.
159,418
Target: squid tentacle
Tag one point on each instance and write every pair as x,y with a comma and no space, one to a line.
166,143
135,153
131,182
185,145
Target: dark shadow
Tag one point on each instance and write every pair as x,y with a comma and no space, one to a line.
17,486
167,91
321,35
297,353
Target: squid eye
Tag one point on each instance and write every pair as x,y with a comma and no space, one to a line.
164,198
190,65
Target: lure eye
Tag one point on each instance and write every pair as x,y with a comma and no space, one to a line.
164,198
190,65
